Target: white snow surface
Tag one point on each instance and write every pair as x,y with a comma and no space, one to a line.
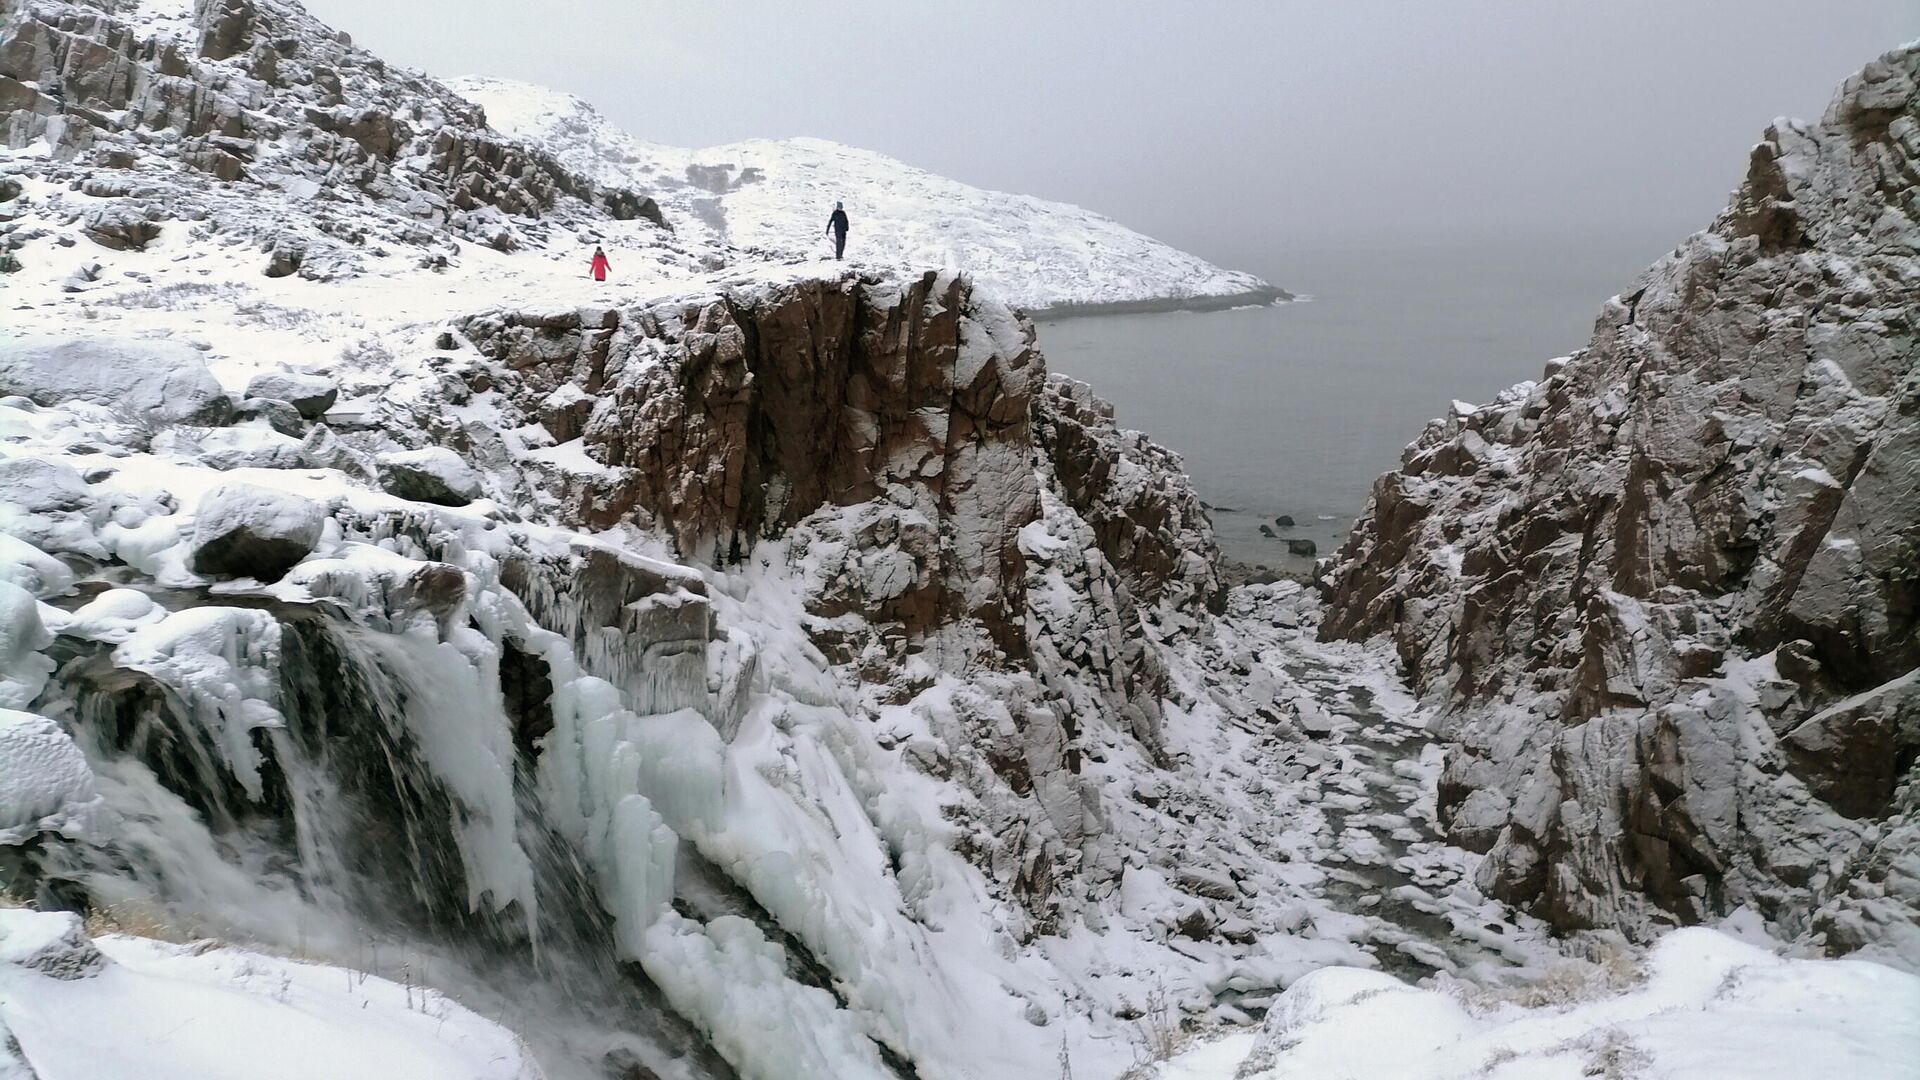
161,1011
772,197
1709,1007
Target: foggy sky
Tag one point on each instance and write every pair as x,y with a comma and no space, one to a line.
1224,128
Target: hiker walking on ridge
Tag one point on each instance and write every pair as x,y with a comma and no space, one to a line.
837,225
600,264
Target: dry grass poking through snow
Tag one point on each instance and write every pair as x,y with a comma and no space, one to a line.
1613,969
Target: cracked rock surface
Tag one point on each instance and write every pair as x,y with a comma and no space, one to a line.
1669,591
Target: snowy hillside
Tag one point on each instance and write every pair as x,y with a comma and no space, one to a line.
773,197
749,668
1702,1005
122,1006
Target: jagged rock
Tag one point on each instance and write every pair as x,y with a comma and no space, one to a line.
1145,516
152,381
243,530
564,412
433,475
83,275
232,103
1668,589
312,395
322,449
284,258
852,388
122,228
53,943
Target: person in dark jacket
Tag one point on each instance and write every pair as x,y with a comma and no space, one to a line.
600,265
837,225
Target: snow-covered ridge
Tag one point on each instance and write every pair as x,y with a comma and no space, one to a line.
772,196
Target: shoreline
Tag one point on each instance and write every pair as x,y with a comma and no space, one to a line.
1262,297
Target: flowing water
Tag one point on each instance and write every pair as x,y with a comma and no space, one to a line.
1294,409
367,848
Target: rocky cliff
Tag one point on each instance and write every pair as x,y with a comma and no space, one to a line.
1668,592
209,117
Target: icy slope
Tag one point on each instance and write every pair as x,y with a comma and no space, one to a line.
1706,1006
122,1006
772,197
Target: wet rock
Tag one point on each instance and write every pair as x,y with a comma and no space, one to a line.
1284,521
243,530
1301,547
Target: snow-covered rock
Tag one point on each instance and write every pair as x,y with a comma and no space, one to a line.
312,395
1706,1005
433,475
1668,589
45,782
155,382
243,530
773,196
129,1006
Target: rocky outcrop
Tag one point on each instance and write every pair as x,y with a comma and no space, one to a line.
730,420
257,99
1153,530
1669,590
896,447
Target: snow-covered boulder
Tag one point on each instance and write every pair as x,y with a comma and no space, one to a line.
313,395
45,783
433,475
48,504
243,530
49,943
31,569
155,382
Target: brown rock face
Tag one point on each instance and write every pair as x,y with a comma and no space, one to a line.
1670,590
895,447
734,419
1154,531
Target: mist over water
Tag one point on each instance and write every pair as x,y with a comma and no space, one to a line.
1295,409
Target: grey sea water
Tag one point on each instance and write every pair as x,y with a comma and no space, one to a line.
1295,409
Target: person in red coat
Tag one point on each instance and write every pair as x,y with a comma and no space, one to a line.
600,265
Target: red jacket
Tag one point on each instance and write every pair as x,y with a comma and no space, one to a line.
600,266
